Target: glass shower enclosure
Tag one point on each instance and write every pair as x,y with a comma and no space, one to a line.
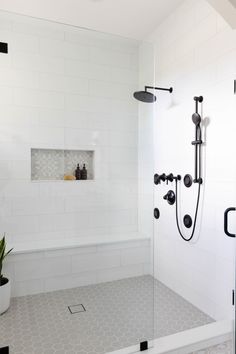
98,265
74,205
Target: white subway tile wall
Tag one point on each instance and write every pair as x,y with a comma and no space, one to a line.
196,54
67,88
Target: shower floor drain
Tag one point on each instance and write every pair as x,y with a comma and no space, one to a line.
76,309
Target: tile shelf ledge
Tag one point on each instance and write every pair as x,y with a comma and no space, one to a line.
62,181
60,244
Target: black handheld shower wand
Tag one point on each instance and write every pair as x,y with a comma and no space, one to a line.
196,118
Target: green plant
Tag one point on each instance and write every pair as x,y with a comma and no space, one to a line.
3,255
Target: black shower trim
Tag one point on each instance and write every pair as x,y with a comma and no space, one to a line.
3,49
148,97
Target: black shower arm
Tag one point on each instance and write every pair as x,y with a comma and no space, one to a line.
159,88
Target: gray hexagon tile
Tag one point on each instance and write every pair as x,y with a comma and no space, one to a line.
118,314
224,348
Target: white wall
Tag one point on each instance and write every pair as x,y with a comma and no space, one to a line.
66,88
196,54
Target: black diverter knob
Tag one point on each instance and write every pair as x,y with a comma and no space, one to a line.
170,177
163,177
170,197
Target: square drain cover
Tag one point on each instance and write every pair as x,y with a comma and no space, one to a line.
76,308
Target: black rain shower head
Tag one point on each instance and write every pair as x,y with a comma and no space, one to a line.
145,96
148,97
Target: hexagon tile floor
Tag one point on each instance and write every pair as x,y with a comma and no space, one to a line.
118,314
224,348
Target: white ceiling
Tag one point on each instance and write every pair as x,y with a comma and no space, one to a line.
227,9
129,18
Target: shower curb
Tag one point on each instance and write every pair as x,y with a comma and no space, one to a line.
187,341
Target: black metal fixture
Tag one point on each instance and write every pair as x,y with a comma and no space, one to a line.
3,47
170,197
148,97
226,222
187,221
188,181
196,118
143,346
159,178
156,213
165,178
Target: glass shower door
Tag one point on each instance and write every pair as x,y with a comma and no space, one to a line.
196,277
75,189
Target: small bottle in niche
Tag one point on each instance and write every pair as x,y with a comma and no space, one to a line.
78,172
84,174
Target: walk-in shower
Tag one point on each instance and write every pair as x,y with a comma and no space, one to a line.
93,268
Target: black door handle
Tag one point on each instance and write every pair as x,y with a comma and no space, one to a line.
226,222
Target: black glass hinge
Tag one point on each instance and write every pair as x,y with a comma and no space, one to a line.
3,47
143,346
233,297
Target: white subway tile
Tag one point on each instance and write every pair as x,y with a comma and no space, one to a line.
28,287
120,273
21,224
135,256
64,49
19,189
38,98
51,117
38,269
124,76
47,137
19,78
108,57
63,83
38,28
71,281
26,43
88,104
87,70
6,95
76,138
95,261
110,90
36,62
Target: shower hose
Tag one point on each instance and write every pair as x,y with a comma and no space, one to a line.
196,212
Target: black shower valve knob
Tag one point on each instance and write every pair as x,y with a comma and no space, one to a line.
170,177
170,197
163,177
159,178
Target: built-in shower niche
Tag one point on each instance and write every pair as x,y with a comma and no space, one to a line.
54,164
